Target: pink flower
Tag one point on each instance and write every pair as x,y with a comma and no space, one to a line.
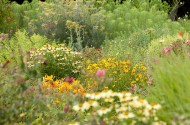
166,50
187,42
11,31
100,73
69,79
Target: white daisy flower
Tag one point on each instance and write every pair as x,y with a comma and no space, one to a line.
126,115
104,111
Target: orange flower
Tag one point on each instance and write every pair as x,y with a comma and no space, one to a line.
180,34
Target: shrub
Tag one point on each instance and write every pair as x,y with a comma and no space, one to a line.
128,18
57,60
67,85
123,74
108,107
24,100
13,47
177,44
171,87
50,19
7,20
123,46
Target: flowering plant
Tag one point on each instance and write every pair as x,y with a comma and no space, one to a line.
62,85
110,107
122,72
53,58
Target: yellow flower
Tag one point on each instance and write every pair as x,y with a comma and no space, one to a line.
143,67
139,75
56,102
55,83
66,87
133,71
46,85
48,78
137,79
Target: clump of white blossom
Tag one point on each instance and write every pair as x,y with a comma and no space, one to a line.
62,56
119,107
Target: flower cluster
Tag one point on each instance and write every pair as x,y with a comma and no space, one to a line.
120,71
56,57
178,45
118,107
62,86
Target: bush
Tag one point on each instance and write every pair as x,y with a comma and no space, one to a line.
171,87
119,74
50,19
123,46
57,60
13,47
24,100
128,18
6,17
160,47
108,107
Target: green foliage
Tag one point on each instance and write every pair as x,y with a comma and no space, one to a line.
175,43
127,19
123,46
50,19
185,23
171,87
22,101
148,4
13,47
7,20
156,45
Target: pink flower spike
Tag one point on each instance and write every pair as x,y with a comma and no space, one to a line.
100,73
